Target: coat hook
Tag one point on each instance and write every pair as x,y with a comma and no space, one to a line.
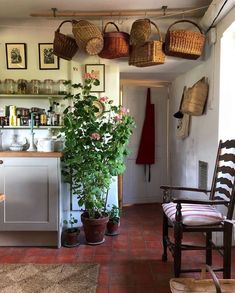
54,11
164,8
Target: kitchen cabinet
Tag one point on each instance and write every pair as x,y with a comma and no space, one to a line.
31,184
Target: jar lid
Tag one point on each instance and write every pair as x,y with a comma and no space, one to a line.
35,80
51,80
9,80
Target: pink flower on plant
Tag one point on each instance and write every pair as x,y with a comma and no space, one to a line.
95,136
104,99
124,110
117,118
90,75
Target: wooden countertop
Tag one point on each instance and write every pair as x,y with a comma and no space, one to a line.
25,154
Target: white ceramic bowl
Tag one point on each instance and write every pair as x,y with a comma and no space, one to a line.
16,148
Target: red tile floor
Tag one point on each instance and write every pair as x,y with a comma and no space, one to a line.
129,262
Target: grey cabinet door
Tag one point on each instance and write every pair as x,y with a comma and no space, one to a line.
32,194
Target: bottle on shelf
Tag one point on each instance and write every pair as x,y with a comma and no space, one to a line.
9,86
62,88
22,86
43,118
35,88
48,86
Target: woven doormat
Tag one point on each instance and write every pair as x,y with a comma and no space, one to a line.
48,278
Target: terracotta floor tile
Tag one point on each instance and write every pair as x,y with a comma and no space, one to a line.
121,289
130,262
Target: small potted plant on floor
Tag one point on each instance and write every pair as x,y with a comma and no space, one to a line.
96,135
71,233
114,221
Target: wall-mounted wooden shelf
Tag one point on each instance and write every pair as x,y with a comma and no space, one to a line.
28,127
30,96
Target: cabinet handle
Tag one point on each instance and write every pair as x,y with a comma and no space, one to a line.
1,161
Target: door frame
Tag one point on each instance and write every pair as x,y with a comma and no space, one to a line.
146,83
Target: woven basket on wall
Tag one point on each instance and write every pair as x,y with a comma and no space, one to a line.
64,46
140,31
116,44
184,43
88,36
149,54
195,98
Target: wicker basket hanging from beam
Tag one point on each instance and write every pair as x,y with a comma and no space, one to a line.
88,36
149,54
64,46
140,31
116,44
184,43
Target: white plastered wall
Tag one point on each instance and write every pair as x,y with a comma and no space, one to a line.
42,31
206,130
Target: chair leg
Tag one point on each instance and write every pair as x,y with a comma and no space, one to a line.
164,237
228,226
208,248
177,248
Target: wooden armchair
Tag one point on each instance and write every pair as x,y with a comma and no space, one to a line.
192,215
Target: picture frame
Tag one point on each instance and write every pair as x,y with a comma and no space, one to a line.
47,60
16,57
99,71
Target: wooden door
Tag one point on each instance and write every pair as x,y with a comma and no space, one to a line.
136,188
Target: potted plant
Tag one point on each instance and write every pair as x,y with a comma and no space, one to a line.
71,233
114,221
96,136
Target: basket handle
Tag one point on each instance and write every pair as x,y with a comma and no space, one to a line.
185,20
58,30
213,275
158,31
104,30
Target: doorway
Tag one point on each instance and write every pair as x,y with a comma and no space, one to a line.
136,187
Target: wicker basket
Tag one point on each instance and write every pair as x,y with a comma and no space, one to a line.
88,36
116,44
140,31
149,54
195,98
183,43
213,285
64,46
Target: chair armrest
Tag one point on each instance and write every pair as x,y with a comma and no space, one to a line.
166,187
206,202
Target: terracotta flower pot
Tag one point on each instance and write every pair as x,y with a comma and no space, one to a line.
71,237
112,228
94,229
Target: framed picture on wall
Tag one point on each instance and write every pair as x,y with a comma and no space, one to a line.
47,60
16,56
99,71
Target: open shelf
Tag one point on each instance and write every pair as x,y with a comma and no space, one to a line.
28,127
30,96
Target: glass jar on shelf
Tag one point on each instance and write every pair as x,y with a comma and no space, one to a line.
62,88
48,86
35,86
9,86
22,86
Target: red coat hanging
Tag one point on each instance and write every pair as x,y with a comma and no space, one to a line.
146,152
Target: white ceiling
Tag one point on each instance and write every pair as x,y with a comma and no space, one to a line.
21,10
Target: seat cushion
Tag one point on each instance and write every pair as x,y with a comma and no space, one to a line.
194,214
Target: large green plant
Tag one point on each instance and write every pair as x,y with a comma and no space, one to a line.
95,146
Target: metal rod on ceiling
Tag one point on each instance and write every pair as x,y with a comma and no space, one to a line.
152,12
